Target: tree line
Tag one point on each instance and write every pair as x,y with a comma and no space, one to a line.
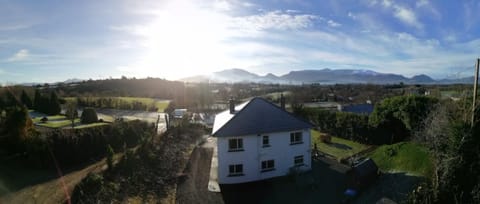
392,120
114,103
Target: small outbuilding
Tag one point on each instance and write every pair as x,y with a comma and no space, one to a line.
363,174
179,113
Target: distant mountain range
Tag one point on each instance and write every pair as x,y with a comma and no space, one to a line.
68,81
322,76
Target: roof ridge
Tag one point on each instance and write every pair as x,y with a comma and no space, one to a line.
284,110
235,115
266,102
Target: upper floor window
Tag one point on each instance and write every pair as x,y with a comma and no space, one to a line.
235,145
296,138
235,170
265,141
268,165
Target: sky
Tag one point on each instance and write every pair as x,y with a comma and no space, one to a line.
55,40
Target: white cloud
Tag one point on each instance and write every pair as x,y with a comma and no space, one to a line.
351,15
21,55
332,23
274,20
421,3
407,16
402,13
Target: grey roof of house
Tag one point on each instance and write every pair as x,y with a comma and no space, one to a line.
256,116
359,108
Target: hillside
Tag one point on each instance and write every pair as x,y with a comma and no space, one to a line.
322,76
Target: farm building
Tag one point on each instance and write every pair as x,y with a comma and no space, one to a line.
258,140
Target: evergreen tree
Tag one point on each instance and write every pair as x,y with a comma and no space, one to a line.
89,115
26,100
53,104
37,101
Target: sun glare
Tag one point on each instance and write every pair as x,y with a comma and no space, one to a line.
182,40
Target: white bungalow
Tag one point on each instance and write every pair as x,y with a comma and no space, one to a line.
258,140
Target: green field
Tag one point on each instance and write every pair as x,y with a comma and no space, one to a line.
403,157
50,118
60,121
339,148
161,105
82,126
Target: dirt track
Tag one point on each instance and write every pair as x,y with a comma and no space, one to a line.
194,188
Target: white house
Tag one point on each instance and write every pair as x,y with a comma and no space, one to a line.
258,140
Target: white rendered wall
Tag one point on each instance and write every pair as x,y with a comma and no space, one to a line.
280,150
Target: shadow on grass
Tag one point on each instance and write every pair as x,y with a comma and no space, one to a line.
16,174
340,146
395,186
324,184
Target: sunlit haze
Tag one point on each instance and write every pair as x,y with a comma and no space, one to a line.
49,41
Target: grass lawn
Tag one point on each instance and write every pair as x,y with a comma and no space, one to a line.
90,125
50,118
403,157
339,148
57,124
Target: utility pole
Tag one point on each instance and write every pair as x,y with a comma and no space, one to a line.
475,84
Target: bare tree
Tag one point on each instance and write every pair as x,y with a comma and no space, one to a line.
71,112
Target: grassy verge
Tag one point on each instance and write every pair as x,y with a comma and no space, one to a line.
403,157
338,148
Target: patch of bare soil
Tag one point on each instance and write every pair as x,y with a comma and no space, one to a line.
192,187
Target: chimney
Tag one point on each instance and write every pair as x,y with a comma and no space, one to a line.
232,106
282,101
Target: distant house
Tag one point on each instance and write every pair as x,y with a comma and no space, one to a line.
258,140
179,113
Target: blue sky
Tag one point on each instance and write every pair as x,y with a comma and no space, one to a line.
48,41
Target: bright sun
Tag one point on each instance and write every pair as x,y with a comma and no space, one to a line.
183,39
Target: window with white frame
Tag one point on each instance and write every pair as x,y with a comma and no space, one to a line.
235,145
265,141
235,170
298,160
296,138
268,165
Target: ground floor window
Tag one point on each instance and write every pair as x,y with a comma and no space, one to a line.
268,165
235,170
298,160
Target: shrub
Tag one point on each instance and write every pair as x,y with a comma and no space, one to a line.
326,138
89,115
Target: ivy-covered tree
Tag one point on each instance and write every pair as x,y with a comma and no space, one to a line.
397,117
